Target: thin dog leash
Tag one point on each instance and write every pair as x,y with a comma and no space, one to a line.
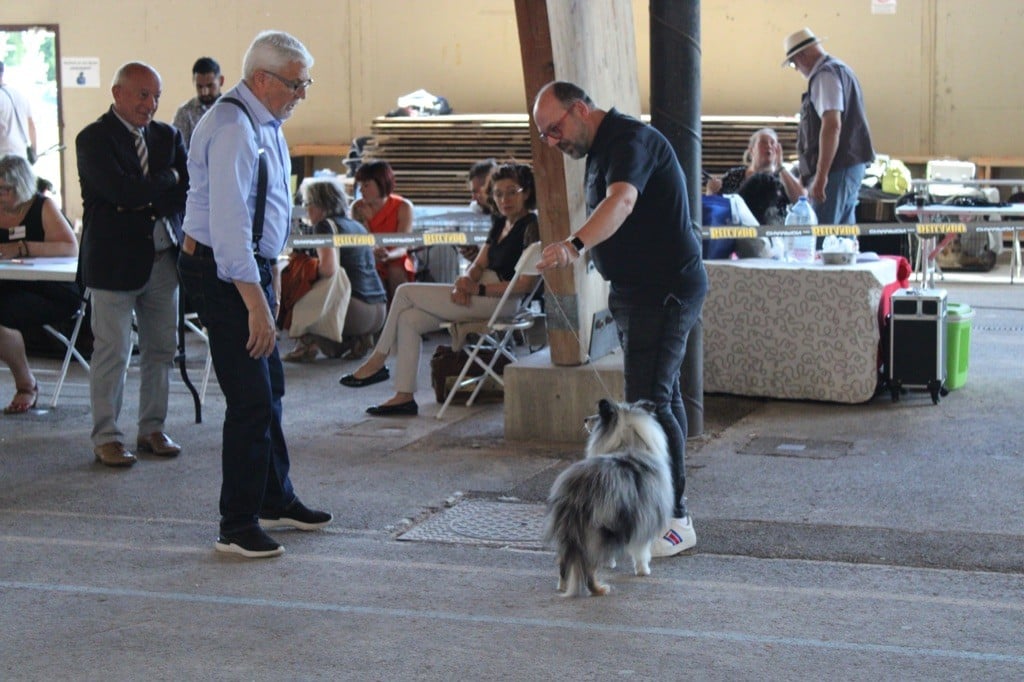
565,318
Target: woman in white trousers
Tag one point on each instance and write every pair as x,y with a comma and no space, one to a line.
419,308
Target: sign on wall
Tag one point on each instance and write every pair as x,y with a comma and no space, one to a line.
883,6
80,72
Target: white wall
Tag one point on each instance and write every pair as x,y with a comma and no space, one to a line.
939,76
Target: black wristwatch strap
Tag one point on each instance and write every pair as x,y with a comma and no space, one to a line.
577,244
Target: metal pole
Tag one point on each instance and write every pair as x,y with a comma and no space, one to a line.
675,111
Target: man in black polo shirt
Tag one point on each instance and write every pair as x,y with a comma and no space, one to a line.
642,242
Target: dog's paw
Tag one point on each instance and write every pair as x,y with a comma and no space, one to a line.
601,589
642,569
611,563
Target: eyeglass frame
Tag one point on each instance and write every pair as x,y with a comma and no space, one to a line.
294,86
498,195
554,131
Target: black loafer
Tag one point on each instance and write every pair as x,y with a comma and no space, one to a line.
409,409
350,380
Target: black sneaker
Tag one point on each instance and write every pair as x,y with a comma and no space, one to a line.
252,543
296,515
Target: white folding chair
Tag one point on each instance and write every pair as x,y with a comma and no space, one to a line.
497,333
69,345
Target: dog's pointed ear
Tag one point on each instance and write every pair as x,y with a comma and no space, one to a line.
606,409
646,405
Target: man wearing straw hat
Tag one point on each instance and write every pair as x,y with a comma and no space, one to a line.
833,139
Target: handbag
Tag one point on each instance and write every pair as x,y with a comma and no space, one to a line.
446,364
297,279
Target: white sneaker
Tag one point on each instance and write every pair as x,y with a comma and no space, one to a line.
679,537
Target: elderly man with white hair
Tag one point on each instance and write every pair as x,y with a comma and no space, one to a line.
237,221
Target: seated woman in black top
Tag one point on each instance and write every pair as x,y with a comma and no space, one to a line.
419,308
772,191
30,225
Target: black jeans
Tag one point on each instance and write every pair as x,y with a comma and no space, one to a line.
653,339
254,456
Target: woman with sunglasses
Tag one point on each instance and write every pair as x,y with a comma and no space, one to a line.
30,225
420,308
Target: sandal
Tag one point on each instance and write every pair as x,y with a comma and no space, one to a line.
302,353
361,345
22,407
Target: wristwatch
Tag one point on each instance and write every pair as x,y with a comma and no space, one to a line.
577,244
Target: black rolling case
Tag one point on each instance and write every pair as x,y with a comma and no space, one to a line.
917,342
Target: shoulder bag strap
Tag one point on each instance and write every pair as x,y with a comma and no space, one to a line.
261,179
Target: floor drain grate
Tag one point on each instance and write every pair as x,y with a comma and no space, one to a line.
796,447
484,522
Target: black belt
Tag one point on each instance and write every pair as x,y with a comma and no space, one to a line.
202,251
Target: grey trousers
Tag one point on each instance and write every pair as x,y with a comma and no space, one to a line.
156,313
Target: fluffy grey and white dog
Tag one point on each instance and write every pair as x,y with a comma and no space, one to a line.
619,498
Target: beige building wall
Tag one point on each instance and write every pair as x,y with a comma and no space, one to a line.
939,75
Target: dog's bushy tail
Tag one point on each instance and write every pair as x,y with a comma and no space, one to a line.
577,571
578,549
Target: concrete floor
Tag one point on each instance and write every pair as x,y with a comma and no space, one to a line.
891,548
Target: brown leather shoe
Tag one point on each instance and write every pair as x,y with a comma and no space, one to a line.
114,454
158,443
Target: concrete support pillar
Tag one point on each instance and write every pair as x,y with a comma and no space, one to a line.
675,111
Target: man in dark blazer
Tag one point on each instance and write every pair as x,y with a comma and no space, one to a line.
133,191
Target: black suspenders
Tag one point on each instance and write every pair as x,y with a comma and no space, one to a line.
261,179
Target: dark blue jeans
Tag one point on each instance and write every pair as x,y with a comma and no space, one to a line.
254,456
653,339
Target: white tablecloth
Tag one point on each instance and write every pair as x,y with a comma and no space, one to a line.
40,269
782,330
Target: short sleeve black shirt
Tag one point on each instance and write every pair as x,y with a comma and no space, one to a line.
656,252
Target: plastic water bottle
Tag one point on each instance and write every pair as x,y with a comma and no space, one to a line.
800,249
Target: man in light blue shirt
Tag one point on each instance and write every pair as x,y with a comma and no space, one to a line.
233,237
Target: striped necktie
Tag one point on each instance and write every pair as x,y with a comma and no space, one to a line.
163,236
140,149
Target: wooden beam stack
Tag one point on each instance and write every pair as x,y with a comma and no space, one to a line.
431,155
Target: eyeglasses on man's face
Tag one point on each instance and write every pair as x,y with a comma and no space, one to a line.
499,194
554,131
294,85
